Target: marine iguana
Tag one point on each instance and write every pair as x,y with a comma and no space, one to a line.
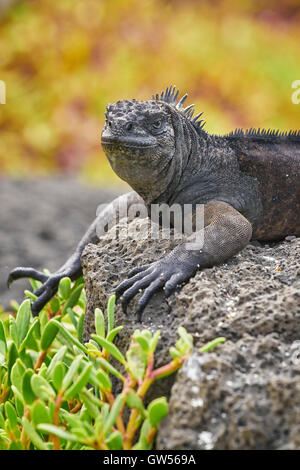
248,182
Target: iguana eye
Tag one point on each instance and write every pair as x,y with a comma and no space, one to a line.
157,124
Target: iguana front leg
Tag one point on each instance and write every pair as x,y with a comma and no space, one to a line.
72,267
226,232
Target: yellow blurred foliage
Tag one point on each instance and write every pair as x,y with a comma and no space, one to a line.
63,61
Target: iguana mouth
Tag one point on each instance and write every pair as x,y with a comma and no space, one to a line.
130,142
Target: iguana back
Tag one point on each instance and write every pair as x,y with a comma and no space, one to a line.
274,160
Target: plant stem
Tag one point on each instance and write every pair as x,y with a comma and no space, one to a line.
58,401
76,408
134,422
150,376
42,356
151,435
5,390
23,434
169,368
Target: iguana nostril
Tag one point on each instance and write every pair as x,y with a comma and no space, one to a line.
128,126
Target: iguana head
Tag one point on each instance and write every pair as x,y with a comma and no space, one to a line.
141,139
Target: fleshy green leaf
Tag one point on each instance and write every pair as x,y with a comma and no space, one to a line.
79,383
17,374
58,375
15,445
157,410
104,380
69,336
110,347
115,441
73,299
28,357
14,305
59,432
71,372
105,412
35,284
80,325
3,343
143,342
212,344
19,406
55,305
23,319
72,317
154,341
49,334
27,391
33,435
72,420
90,405
56,359
40,413
112,334
111,312
30,295
29,340
99,323
174,353
2,421
13,331
142,443
12,357
41,387
185,336
18,395
43,319
64,287
112,370
134,401
11,415
137,360
114,413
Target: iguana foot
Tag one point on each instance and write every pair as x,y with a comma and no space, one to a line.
163,274
50,283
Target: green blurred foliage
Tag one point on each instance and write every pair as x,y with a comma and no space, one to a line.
63,61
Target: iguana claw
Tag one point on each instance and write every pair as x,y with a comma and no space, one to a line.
19,273
158,275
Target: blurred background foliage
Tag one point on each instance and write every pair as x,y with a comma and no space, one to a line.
64,60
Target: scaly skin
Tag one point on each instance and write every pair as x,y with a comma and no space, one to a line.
247,181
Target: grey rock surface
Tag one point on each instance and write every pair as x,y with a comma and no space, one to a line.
104,266
244,394
41,222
